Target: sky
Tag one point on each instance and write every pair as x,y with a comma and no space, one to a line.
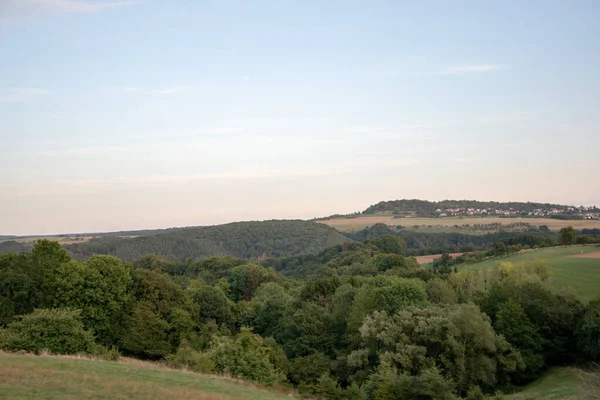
118,115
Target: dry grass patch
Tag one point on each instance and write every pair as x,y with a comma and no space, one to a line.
25,376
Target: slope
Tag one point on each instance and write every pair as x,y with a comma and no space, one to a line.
49,377
238,239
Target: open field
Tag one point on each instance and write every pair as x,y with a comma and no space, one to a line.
560,383
25,377
432,257
570,271
443,224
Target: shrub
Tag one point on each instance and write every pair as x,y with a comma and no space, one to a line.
59,331
188,358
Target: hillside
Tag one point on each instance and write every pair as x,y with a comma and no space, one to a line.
423,208
43,377
239,239
561,383
575,269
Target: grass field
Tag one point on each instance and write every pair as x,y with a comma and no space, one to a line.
570,271
447,224
46,377
560,384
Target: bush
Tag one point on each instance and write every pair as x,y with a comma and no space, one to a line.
188,358
59,331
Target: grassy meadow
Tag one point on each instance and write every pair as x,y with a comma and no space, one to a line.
560,383
571,270
448,224
24,376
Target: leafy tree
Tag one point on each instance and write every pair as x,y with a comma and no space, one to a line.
588,331
566,235
246,357
388,384
512,323
439,291
59,331
389,244
20,287
100,287
275,301
245,279
389,294
146,333
458,339
307,370
212,304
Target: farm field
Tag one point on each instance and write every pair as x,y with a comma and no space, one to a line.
560,383
448,224
575,269
26,377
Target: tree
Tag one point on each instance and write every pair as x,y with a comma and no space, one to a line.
512,323
246,356
566,235
99,287
588,331
146,333
389,244
457,339
59,331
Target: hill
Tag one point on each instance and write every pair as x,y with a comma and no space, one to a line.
423,208
561,383
45,377
575,268
239,239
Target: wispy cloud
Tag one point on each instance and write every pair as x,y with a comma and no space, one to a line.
17,95
78,6
468,69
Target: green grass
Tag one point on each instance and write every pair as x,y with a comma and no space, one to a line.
24,376
578,275
560,384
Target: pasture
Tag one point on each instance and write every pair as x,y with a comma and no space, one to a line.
575,269
561,383
25,376
448,224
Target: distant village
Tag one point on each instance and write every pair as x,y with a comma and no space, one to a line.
571,212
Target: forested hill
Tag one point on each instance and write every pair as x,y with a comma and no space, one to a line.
239,239
423,208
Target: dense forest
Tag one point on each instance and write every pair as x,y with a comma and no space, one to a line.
261,240
238,239
354,321
423,208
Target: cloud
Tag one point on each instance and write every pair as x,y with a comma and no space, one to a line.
467,69
77,6
18,95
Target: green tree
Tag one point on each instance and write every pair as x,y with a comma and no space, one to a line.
566,235
389,244
457,339
512,323
588,331
146,333
100,287
245,279
59,331
246,356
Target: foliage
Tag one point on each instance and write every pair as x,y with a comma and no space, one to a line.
246,357
238,239
59,331
588,331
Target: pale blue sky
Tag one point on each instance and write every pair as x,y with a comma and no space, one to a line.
141,114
